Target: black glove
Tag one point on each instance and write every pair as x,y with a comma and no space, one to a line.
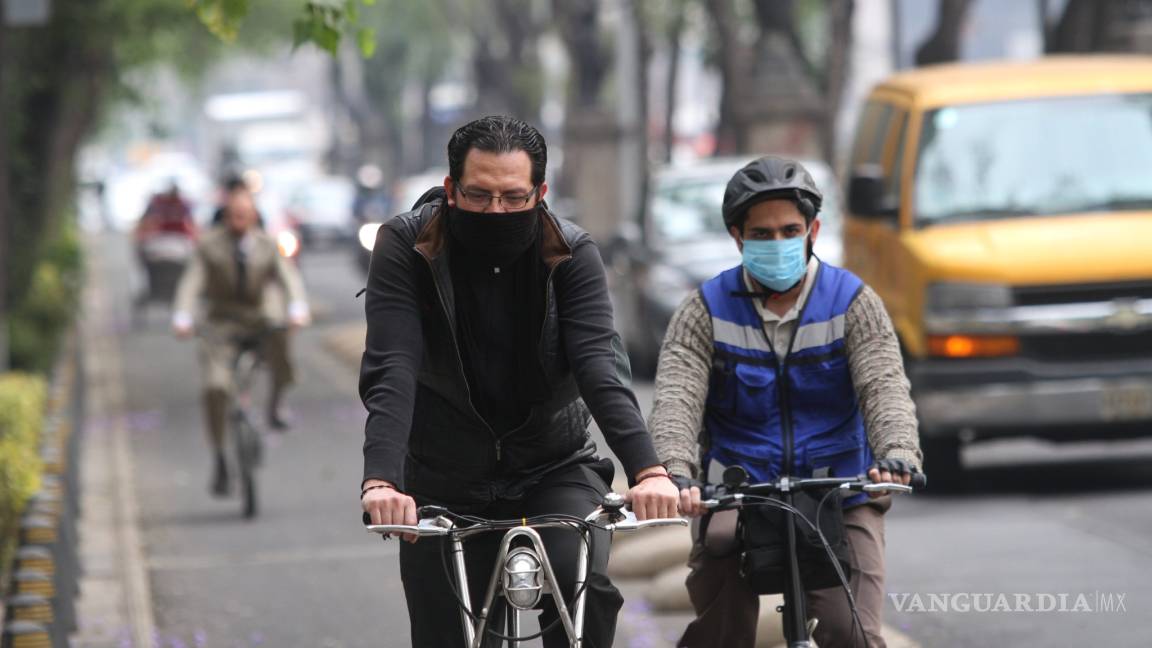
683,482
895,466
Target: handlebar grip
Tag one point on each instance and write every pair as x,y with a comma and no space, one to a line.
367,519
919,481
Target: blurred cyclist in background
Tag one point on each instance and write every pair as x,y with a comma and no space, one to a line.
164,239
229,275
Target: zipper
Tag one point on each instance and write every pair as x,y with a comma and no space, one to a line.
782,380
459,358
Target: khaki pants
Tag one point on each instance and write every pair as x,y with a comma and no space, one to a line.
217,359
727,610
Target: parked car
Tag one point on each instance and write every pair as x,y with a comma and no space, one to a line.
322,210
682,242
1004,214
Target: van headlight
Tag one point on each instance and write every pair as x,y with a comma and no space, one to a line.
367,235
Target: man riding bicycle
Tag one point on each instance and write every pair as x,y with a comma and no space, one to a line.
490,346
234,266
784,365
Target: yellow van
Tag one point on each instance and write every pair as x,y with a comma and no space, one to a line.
1004,213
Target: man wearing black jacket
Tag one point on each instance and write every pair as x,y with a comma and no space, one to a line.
490,346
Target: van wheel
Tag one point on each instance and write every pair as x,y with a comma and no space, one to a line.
942,462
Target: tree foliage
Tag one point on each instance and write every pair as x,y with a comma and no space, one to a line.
324,23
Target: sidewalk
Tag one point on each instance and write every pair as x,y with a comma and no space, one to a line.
115,608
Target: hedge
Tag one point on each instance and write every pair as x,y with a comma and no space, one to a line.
37,324
22,399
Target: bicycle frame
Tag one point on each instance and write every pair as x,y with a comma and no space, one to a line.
476,624
796,623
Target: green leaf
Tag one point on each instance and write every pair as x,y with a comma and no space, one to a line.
326,37
351,11
366,38
369,3
301,32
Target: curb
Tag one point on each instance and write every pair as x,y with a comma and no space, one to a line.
116,607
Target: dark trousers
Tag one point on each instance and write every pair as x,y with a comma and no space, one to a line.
727,611
433,611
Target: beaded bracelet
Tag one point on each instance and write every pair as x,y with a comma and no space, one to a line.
374,487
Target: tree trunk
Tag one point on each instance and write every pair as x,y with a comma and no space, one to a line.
4,205
73,65
731,129
944,43
837,68
1083,27
675,35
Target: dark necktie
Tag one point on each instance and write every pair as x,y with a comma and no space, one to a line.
241,270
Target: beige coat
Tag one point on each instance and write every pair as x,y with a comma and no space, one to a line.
208,290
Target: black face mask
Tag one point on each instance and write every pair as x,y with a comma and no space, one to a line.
494,237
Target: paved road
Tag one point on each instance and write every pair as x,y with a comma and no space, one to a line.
305,575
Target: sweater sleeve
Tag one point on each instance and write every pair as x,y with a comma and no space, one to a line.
877,370
594,351
392,354
682,387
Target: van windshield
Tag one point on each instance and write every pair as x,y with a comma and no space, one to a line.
1036,157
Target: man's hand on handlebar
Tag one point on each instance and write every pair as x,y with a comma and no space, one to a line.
690,502
654,497
388,506
896,471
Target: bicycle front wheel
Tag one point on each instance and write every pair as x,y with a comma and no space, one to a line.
248,450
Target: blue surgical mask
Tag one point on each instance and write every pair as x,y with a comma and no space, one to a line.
777,265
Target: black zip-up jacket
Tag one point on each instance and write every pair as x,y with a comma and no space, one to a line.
423,432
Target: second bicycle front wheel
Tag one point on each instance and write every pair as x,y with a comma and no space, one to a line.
248,449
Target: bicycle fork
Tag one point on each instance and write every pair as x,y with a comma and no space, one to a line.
545,583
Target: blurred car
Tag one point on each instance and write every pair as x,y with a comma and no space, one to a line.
278,222
682,242
406,192
1004,214
322,210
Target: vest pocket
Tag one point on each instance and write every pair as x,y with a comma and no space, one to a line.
754,394
844,456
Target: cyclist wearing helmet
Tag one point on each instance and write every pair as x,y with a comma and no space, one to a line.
784,365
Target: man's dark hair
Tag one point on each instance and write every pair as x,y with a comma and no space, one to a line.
234,183
497,134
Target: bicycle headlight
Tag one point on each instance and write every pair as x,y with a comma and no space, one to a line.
522,586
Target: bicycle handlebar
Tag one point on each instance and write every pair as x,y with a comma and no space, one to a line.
435,523
715,495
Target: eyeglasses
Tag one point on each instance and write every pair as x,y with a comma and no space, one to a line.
482,199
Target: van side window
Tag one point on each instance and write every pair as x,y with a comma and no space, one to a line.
895,177
883,123
873,127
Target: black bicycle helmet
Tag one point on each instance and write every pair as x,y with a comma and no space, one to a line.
770,177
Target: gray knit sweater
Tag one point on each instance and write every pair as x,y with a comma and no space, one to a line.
682,379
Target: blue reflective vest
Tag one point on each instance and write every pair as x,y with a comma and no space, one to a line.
763,413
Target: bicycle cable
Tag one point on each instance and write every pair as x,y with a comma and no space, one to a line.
763,500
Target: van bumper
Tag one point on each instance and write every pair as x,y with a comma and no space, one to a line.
1016,397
